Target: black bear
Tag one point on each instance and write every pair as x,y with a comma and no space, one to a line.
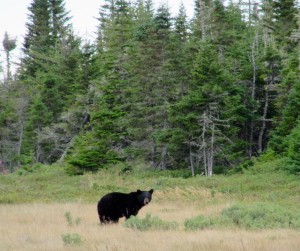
114,206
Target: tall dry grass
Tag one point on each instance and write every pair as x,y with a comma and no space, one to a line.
41,227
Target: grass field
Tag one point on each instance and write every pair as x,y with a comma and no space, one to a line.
45,209
42,227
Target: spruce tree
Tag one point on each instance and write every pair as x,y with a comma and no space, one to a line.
284,12
37,39
151,86
60,20
111,81
51,68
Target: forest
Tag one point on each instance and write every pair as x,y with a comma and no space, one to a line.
207,94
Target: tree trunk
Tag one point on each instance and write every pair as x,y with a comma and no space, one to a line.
192,162
264,119
204,145
202,19
253,90
211,154
22,110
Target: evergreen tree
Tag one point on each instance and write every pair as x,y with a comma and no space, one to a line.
39,116
47,26
13,104
51,68
180,56
208,114
287,105
38,37
59,20
287,76
285,20
151,86
168,91
113,43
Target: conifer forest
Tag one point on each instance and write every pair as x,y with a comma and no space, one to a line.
208,93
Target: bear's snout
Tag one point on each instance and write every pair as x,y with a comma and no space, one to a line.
146,201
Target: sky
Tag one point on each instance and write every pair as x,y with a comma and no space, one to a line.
13,16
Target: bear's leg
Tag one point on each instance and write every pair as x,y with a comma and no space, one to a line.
116,220
106,219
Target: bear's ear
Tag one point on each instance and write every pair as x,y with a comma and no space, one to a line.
151,191
139,191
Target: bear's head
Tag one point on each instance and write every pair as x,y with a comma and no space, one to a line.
144,197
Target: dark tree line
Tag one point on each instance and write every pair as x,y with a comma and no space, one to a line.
206,93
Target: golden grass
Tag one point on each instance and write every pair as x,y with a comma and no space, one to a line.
38,227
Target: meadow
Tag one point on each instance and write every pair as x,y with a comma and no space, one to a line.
45,209
43,226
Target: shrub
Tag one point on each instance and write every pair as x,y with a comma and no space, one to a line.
70,220
28,169
260,216
198,223
150,223
72,239
292,166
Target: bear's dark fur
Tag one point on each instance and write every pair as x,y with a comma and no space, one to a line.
114,206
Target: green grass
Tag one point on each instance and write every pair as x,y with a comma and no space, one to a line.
262,216
262,182
251,216
263,196
199,222
150,223
72,239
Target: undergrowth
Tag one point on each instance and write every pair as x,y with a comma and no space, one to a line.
150,223
263,182
252,216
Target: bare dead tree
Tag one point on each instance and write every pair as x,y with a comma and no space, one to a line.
204,146
271,80
202,19
21,107
264,120
253,57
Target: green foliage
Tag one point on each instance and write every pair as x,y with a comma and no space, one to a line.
292,166
288,105
149,84
285,22
50,184
293,143
261,216
90,154
248,216
72,239
199,222
70,220
28,169
150,223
